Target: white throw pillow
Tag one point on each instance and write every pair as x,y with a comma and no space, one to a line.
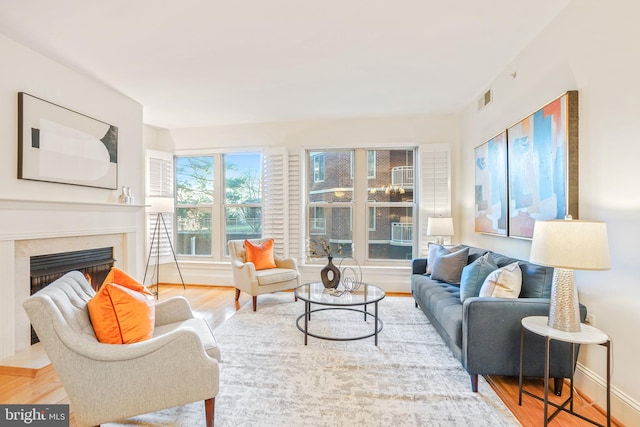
505,282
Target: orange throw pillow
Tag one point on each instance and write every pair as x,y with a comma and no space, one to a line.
260,255
123,311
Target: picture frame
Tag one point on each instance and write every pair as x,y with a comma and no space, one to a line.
490,160
56,144
543,165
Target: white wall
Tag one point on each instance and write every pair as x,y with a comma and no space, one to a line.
594,47
297,135
24,70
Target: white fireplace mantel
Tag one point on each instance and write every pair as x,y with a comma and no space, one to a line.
28,227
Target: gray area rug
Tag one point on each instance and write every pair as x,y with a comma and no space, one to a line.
270,378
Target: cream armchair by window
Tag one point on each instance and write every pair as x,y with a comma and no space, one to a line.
109,382
257,282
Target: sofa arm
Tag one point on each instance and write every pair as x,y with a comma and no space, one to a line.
491,338
419,266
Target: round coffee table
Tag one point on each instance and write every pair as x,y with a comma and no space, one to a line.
315,293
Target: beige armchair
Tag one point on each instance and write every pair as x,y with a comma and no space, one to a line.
108,382
257,282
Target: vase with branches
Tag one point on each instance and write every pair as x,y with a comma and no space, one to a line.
330,274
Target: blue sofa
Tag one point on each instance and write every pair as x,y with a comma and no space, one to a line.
484,333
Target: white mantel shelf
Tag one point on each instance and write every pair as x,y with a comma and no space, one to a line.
65,204
33,219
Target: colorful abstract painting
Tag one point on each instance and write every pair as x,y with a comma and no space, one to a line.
543,165
491,186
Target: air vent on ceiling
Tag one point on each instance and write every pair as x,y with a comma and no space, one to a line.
484,99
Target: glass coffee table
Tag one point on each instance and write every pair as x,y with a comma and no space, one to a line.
358,301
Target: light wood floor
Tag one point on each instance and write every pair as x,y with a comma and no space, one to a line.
216,304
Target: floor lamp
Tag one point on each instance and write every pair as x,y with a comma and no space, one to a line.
568,245
155,241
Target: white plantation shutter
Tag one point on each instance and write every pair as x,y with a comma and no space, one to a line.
159,199
275,211
295,197
435,188
158,236
160,174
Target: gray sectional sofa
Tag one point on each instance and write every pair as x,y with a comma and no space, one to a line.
484,332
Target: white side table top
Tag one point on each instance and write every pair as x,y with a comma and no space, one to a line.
586,335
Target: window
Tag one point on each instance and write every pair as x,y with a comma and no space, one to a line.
243,196
194,204
222,189
330,200
384,179
371,164
318,167
390,194
372,218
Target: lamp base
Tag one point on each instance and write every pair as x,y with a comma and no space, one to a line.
564,310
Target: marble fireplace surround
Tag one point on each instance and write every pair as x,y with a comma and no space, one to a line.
30,228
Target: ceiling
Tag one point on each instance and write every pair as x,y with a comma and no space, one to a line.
207,62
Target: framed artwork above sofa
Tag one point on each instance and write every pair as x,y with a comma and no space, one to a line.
543,165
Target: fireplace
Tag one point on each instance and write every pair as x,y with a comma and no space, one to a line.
95,264
33,228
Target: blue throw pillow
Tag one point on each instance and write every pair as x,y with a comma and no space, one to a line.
474,274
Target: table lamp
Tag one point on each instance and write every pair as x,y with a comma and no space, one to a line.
440,227
568,245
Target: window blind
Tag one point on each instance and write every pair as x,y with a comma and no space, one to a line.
435,188
275,187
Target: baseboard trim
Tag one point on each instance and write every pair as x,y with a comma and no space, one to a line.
624,409
30,362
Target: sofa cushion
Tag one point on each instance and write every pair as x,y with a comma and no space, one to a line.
475,253
274,275
434,249
448,266
504,282
474,274
536,280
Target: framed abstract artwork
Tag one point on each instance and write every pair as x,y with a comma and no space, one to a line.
59,145
491,186
543,165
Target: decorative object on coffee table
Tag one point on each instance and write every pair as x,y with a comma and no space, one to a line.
330,275
350,278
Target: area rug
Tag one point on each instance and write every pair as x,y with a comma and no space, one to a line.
270,378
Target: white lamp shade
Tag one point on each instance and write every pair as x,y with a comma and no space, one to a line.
440,226
571,244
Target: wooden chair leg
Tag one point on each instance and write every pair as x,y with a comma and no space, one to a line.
209,408
237,294
255,302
